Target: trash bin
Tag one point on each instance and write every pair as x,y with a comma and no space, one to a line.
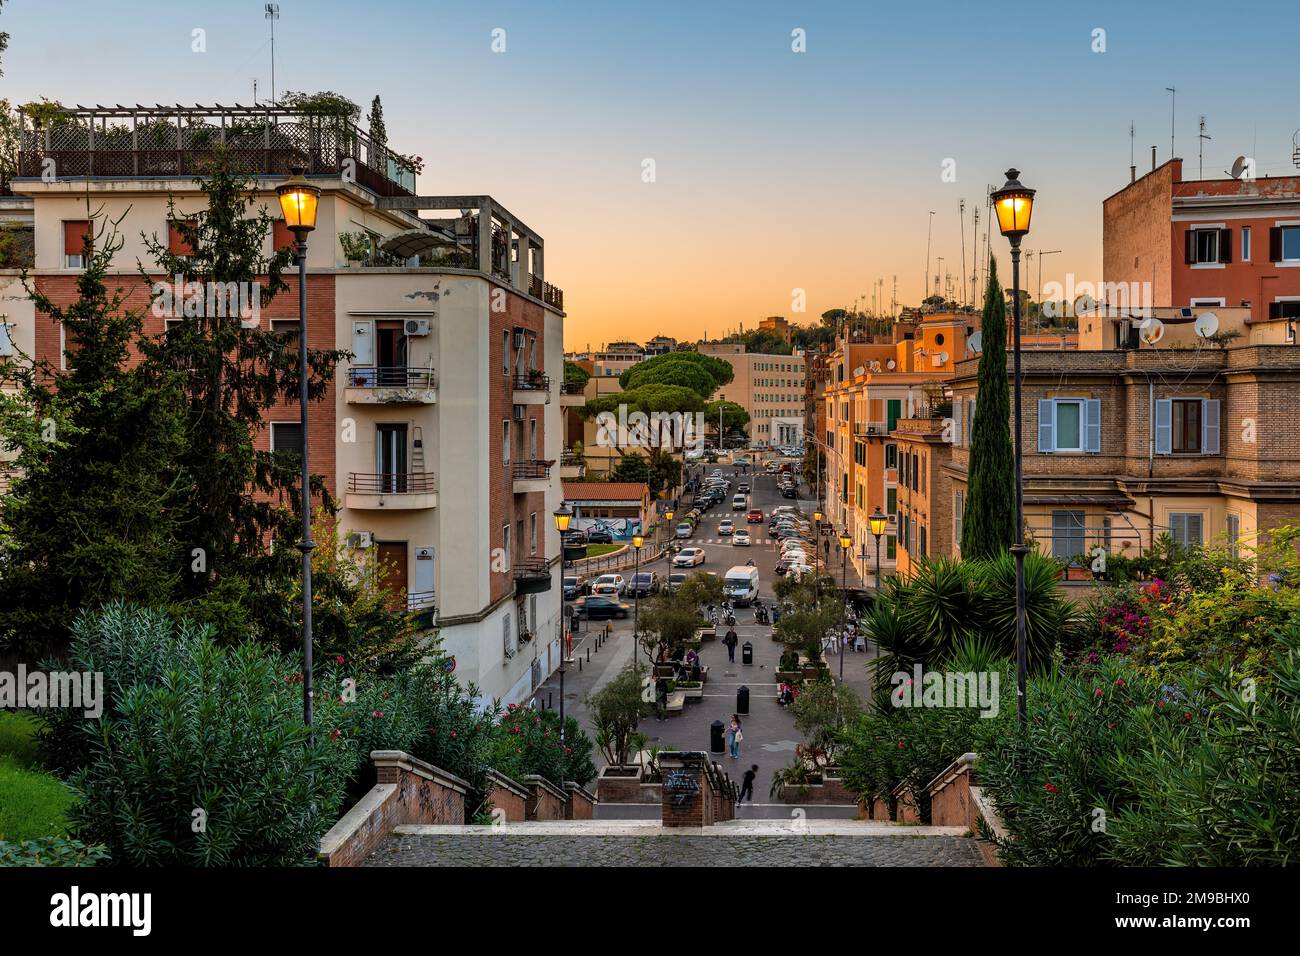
716,744
747,653
742,700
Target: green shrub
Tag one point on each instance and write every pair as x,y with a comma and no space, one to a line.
51,851
524,742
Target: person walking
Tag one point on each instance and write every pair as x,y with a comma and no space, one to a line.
661,698
747,784
734,736
730,640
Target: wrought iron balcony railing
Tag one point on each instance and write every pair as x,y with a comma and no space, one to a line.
533,381
531,569
533,468
390,376
412,483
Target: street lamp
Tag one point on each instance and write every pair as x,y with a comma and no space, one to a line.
845,543
563,516
877,522
637,541
1014,205
817,523
299,200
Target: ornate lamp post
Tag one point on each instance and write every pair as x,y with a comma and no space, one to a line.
637,541
563,516
817,524
298,201
1014,205
878,522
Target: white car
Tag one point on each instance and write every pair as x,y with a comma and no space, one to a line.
726,527
688,558
797,571
609,584
740,539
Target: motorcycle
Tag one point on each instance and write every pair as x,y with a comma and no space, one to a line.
760,614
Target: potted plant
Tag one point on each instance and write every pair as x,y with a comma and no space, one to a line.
616,710
356,247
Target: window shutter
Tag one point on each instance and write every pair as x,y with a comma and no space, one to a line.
6,340
1275,310
956,423
77,239
1189,246
1178,527
1194,530
1046,439
1275,244
1092,425
1164,426
970,419
281,237
1210,426
176,243
1225,245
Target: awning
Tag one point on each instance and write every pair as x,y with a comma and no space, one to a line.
414,242
1097,501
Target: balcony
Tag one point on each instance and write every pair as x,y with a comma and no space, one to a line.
532,475
391,492
181,141
573,464
390,385
532,575
422,605
551,295
571,395
532,388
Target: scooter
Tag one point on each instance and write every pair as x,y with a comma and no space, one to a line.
760,614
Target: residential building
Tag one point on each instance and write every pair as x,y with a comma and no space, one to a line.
769,387
439,436
776,325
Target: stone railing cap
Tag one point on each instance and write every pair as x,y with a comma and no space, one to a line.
536,779
963,764
574,785
506,783
402,759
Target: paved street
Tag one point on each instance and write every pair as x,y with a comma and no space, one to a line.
770,736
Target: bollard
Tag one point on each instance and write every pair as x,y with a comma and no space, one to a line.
549,703
588,653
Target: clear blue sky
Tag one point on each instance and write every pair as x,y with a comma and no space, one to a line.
775,170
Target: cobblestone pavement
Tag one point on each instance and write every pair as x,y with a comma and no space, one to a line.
675,850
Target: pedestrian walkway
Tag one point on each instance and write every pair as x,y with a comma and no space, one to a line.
797,842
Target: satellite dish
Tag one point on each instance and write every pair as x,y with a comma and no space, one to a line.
976,342
943,357
1207,324
890,364
1151,331
1238,167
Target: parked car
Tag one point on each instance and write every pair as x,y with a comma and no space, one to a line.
599,605
743,488
643,584
726,527
685,530
740,539
610,584
688,558
754,516
599,536
574,538
789,492
676,579
575,585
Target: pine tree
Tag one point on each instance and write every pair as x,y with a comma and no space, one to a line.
96,514
378,131
989,524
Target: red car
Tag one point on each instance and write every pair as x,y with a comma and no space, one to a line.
754,516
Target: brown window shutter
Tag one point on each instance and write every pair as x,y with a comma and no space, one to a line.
1225,245
1189,246
281,237
1275,244
176,243
77,240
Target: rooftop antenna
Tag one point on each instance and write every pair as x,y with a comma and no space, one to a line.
1132,162
254,91
272,14
928,230
1200,158
961,224
1173,102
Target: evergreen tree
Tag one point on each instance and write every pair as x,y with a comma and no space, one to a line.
378,131
97,514
989,524
244,509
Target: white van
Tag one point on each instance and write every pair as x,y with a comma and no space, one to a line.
739,502
741,585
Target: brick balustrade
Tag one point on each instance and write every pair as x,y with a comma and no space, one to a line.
508,796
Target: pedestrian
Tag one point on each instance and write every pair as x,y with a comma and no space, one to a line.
747,784
661,698
734,736
730,640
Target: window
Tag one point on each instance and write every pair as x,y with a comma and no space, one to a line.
1187,426
505,442
532,438
891,548
6,339
532,533
77,242
508,636
1069,425
1186,528
1208,245
1284,243
1245,243
287,437
958,513
891,500
282,237
176,243
1067,535
1234,533
505,353
505,547
920,541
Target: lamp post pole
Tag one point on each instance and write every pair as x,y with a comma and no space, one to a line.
637,541
845,543
563,516
1014,204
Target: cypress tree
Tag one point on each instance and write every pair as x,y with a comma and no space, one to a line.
989,524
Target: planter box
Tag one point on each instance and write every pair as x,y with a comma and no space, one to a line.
830,790
1078,574
789,677
614,786
692,693
706,634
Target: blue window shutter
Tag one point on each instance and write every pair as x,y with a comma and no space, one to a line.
1046,423
1210,426
1092,425
1164,425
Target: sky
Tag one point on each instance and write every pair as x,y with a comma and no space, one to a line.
782,180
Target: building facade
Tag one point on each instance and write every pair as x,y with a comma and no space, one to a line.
769,387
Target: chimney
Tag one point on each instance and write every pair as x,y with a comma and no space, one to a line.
1153,159
1132,174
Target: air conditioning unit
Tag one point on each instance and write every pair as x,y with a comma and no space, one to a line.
519,413
361,539
418,327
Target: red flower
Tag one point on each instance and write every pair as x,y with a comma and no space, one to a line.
512,707
516,728
1097,692
900,745
334,735
1050,787
1119,682
1111,726
338,659
453,733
